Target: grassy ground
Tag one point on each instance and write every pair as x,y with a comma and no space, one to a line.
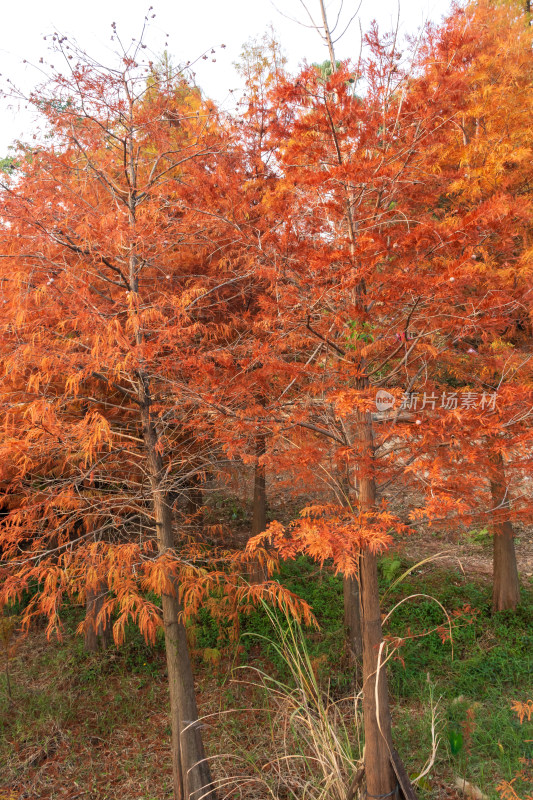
95,726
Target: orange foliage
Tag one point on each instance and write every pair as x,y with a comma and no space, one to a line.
165,269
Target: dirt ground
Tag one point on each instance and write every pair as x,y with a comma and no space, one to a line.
468,552
469,557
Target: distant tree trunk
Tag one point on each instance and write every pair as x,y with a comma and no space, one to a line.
96,635
259,508
506,586
352,615
191,772
195,501
91,637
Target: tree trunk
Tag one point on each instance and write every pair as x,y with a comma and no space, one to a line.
191,772
91,637
195,501
380,777
506,586
352,616
96,635
350,589
259,522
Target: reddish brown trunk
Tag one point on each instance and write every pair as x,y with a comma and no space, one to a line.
259,522
191,772
350,589
352,616
380,777
506,585
91,637
96,634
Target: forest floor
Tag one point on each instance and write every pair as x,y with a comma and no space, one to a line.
470,553
467,550
95,726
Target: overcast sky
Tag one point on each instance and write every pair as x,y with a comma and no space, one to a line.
192,26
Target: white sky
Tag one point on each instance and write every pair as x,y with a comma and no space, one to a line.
192,25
